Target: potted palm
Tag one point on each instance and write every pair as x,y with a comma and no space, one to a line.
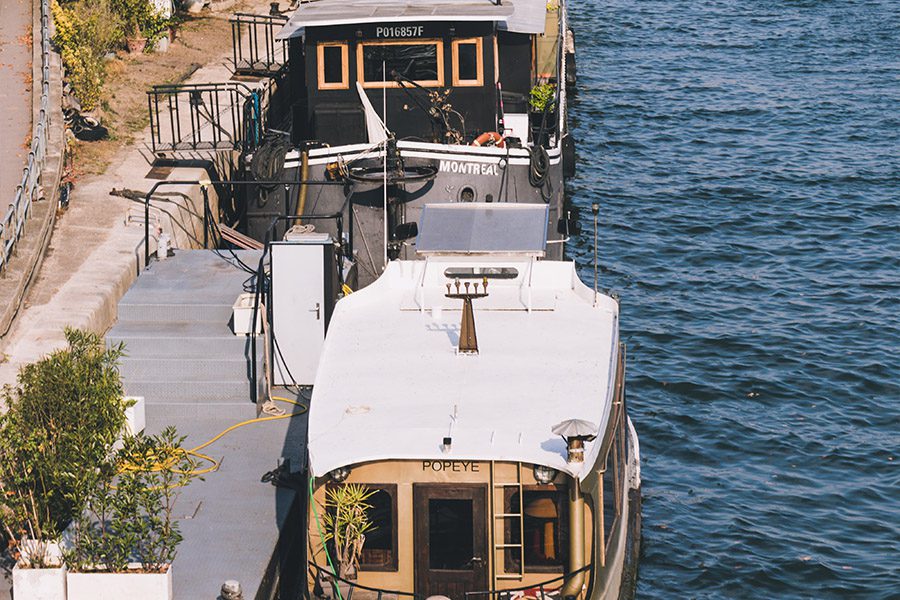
124,543
346,524
63,416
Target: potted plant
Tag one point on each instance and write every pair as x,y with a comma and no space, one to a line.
346,524
134,15
542,107
124,543
63,416
38,572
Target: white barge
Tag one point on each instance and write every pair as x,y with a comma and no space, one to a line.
477,398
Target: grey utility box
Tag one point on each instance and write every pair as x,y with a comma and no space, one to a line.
304,290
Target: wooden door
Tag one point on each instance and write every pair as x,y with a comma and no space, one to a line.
451,549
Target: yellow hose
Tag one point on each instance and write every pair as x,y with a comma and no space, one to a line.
142,465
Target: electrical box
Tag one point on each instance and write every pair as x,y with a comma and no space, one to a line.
304,291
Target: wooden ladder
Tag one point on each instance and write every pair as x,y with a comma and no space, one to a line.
499,518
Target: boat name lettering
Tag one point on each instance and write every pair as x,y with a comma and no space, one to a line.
469,168
400,32
457,466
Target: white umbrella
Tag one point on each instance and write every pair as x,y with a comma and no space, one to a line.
576,428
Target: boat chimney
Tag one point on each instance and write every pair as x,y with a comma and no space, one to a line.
468,340
575,432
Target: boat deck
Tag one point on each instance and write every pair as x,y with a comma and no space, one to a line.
193,373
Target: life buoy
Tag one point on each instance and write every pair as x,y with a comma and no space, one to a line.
490,138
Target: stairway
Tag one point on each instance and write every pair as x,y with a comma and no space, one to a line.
181,354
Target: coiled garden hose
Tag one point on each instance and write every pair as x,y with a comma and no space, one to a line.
141,464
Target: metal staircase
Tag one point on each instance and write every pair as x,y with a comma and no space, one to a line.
500,518
181,354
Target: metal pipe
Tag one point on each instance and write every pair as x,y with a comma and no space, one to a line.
304,173
573,585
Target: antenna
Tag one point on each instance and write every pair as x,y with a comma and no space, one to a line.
595,208
385,160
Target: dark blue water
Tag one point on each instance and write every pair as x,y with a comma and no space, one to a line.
746,156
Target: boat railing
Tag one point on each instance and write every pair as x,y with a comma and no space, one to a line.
550,588
12,222
255,51
345,589
206,116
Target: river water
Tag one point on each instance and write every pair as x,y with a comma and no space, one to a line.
746,158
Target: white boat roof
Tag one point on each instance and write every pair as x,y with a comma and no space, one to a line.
390,384
520,16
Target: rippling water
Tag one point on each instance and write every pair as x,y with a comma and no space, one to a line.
746,156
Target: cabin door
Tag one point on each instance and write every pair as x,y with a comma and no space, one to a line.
451,549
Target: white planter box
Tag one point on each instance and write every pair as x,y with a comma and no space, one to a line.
39,584
242,312
119,586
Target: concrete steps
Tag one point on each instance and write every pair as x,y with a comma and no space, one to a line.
181,354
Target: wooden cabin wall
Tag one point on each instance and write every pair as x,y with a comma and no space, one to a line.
404,474
331,106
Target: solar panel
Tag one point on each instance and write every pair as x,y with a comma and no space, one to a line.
478,228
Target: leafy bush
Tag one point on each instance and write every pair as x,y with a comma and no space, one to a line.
86,30
542,97
129,514
64,415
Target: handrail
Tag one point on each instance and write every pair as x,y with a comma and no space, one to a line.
489,593
562,579
12,224
353,585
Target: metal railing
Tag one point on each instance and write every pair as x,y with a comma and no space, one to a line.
255,51
205,116
337,583
12,225
550,588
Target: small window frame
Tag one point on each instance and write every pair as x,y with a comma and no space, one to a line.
393,564
479,63
360,67
344,83
509,567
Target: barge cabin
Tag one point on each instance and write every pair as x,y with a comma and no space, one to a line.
472,406
420,102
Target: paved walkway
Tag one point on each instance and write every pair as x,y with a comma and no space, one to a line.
15,93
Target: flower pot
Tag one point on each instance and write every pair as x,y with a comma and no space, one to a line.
136,45
39,584
118,586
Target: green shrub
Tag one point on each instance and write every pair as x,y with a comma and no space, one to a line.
86,30
542,97
129,513
64,415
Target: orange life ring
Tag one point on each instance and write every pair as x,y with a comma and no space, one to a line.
490,138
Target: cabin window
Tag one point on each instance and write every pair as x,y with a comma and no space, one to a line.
481,272
468,66
333,67
544,526
422,61
380,550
